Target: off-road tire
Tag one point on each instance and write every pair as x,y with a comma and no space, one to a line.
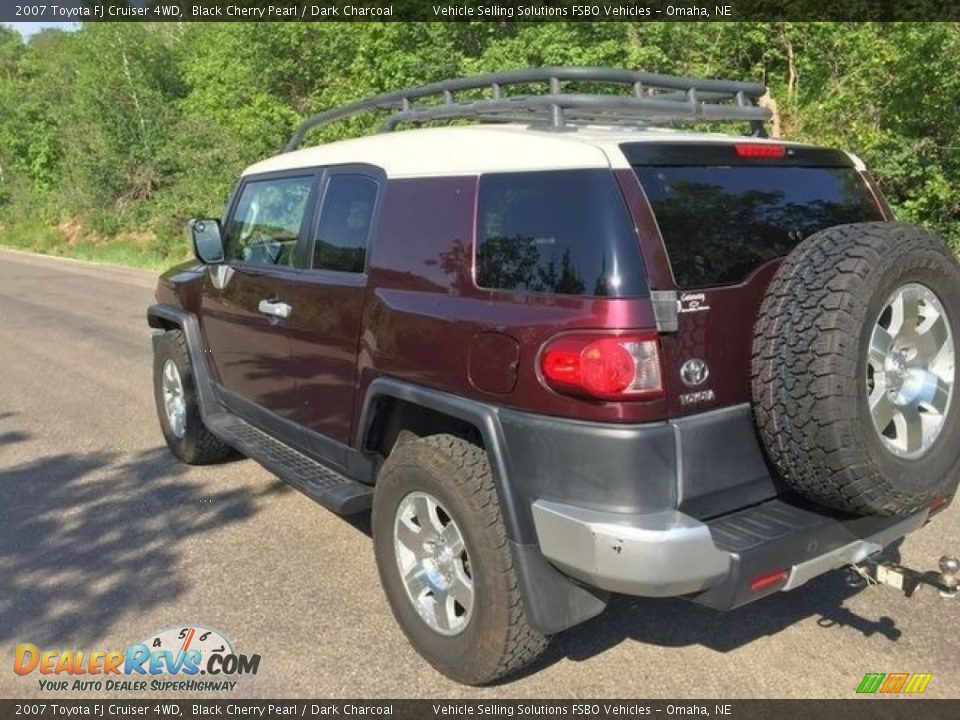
497,640
809,367
198,446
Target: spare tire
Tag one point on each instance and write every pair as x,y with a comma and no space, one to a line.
853,376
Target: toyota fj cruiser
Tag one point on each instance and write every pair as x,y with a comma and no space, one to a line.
565,351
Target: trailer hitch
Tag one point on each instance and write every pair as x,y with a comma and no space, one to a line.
879,572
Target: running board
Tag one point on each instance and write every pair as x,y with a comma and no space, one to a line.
320,483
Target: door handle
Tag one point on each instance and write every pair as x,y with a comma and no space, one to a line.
274,308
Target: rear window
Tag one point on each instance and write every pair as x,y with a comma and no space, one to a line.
720,223
565,232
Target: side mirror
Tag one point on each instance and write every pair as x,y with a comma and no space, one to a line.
207,240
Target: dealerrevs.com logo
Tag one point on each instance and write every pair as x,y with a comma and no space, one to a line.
170,660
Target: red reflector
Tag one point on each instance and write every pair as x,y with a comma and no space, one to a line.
766,580
938,504
760,150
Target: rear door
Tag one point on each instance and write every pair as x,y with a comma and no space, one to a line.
325,332
249,300
726,213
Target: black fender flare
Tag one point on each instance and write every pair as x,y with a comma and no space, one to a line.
478,414
553,601
165,317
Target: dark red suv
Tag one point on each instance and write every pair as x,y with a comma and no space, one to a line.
566,351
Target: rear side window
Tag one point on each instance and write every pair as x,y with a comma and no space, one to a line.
720,223
345,222
565,232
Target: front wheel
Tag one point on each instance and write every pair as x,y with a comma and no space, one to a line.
445,564
176,397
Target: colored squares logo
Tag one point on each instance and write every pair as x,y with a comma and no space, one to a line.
894,683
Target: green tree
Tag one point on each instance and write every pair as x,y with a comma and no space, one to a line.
133,127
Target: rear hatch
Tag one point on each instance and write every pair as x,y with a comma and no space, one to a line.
725,214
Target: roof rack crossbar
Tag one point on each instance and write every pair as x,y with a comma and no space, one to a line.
664,98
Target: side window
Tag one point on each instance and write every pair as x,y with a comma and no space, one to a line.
566,232
266,223
343,229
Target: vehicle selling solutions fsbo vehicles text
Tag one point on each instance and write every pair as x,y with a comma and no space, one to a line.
578,11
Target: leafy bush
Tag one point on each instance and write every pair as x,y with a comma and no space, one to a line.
153,122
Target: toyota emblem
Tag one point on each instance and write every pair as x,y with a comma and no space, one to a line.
694,372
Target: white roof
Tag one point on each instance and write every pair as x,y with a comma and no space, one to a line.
476,149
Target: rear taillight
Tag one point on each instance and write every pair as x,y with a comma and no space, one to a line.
760,150
621,367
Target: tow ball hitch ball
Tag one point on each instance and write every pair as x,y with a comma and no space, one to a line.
949,576
946,582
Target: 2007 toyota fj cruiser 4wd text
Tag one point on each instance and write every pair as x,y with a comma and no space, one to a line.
563,353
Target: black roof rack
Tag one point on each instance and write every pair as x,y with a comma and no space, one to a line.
651,97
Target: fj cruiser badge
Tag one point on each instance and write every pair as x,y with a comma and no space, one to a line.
694,372
693,302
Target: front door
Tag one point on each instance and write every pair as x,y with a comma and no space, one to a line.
249,300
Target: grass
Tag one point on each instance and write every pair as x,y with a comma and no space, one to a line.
115,253
65,240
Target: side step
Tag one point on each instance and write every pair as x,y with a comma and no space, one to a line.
328,487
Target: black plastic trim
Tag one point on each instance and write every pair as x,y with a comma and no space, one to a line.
482,416
778,535
705,465
552,601
317,480
721,465
651,96
601,466
312,444
188,323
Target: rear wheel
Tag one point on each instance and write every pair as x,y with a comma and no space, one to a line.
176,398
854,368
445,564
909,373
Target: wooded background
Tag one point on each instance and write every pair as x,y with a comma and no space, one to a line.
113,135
